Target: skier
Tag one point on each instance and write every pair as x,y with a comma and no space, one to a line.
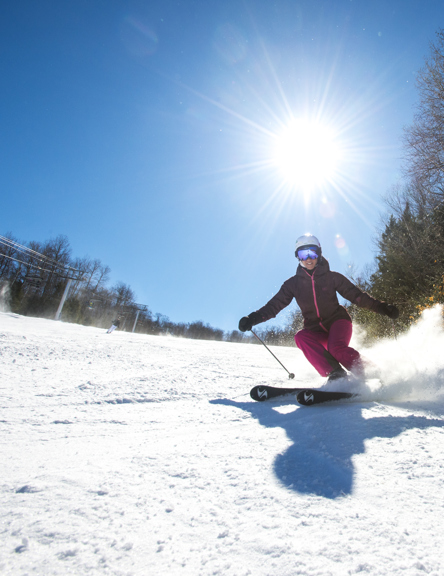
115,324
327,331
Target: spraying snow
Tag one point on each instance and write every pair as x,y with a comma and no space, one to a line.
4,298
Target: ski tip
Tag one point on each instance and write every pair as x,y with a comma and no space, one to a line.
259,393
306,398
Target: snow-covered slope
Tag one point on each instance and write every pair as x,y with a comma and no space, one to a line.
127,454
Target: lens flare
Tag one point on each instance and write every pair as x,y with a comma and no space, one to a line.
341,245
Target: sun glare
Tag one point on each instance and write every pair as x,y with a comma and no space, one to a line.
306,154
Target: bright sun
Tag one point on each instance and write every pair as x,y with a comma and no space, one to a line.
306,154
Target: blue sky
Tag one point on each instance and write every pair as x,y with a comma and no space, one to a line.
145,132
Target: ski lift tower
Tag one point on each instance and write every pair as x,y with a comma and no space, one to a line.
140,308
65,294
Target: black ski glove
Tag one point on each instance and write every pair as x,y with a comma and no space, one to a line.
389,310
247,322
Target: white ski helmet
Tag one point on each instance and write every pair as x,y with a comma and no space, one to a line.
306,241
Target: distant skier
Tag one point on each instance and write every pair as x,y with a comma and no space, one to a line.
115,324
327,331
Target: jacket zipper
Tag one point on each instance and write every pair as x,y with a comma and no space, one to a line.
314,298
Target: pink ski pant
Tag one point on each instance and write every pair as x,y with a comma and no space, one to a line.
326,350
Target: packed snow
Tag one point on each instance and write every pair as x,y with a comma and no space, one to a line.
125,454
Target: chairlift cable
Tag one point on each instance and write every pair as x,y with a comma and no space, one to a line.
36,256
15,245
41,257
30,265
35,266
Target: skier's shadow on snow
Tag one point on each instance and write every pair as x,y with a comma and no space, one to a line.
324,441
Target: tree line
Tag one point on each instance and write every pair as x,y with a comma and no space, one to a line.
408,269
33,277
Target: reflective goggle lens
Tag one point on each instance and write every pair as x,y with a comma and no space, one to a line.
307,253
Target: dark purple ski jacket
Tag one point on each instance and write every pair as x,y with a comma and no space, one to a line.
315,294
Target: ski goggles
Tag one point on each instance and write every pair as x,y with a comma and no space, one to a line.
307,253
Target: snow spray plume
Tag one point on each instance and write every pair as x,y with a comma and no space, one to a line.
412,366
4,298
290,374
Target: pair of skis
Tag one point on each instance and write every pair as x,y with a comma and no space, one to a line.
304,396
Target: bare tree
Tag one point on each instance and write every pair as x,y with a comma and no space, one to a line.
123,294
101,276
424,139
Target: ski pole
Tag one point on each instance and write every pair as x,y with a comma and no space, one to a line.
290,374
